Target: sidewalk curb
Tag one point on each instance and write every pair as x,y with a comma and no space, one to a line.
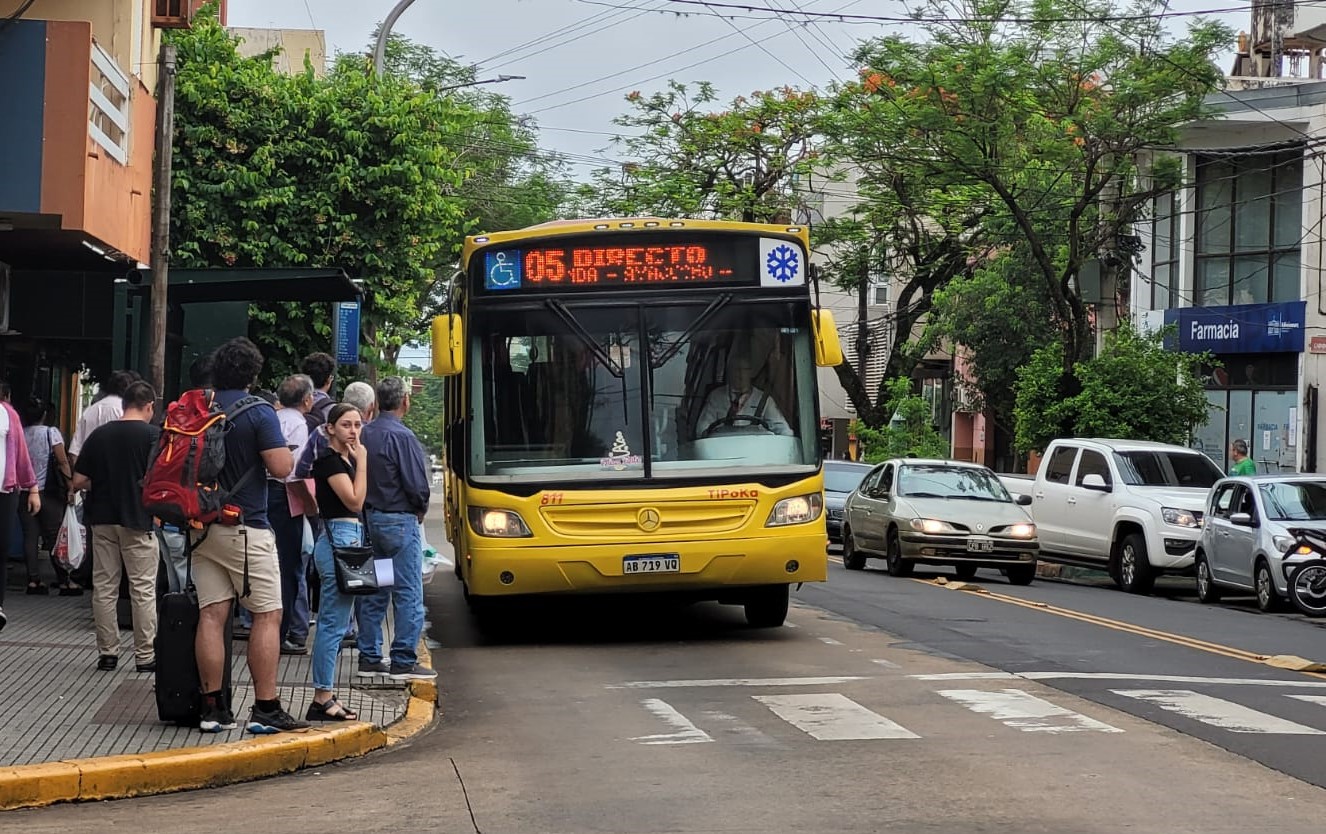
167,771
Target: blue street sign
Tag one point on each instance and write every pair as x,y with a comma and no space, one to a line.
345,332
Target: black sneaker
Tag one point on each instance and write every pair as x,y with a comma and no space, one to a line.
216,718
414,672
107,662
262,722
370,669
150,666
291,647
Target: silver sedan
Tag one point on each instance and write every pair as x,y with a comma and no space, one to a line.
1246,533
939,512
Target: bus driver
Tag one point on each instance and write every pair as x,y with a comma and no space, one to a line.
738,406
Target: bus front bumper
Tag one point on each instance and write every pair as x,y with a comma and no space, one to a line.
703,567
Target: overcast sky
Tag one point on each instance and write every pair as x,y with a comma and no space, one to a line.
580,57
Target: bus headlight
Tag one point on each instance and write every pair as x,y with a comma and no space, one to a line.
796,510
499,524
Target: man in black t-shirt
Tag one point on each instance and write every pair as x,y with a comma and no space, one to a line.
111,468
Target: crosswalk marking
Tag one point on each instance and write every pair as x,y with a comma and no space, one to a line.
820,681
1024,711
832,717
686,732
1218,712
1320,700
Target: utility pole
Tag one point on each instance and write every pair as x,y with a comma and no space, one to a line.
1111,259
161,172
380,51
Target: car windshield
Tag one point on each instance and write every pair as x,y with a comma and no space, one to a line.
929,480
592,391
843,479
1294,500
1167,469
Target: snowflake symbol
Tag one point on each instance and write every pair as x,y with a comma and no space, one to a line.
782,264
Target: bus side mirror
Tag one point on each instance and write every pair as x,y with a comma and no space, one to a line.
828,348
448,345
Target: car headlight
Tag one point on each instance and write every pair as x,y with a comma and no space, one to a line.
1021,531
798,509
1283,543
933,526
1180,518
498,524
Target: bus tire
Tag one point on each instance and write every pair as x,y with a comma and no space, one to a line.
767,607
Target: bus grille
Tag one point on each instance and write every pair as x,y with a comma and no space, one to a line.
621,521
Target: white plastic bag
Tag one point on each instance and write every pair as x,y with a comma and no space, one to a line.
306,547
71,542
431,557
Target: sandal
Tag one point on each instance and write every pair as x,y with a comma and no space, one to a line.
38,589
330,710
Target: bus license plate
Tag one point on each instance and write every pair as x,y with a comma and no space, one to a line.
980,546
653,563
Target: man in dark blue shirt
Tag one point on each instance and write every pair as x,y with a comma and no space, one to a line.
240,559
398,491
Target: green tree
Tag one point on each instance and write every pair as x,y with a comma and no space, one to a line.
1041,107
689,161
1134,388
425,415
999,318
909,432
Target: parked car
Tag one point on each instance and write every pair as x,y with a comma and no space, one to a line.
910,511
1246,534
840,478
1131,507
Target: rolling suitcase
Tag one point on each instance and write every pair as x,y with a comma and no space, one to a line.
177,684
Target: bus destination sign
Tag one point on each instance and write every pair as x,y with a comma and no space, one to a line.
570,267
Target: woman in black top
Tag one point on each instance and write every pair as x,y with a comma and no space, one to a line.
341,478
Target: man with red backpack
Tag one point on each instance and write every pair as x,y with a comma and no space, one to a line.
237,555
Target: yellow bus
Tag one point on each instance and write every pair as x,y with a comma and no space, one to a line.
632,406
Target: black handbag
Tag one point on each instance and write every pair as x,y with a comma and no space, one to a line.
355,574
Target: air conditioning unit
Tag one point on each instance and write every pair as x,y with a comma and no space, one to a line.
178,14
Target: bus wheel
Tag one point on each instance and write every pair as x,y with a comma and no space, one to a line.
767,607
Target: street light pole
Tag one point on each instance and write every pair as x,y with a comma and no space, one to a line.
380,51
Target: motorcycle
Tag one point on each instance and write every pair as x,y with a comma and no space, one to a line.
1304,567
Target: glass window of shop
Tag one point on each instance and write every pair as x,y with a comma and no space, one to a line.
1249,228
1252,397
1165,252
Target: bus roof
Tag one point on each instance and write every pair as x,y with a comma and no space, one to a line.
626,226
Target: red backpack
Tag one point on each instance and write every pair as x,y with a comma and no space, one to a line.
181,485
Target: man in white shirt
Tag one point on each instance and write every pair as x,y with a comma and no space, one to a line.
739,406
107,409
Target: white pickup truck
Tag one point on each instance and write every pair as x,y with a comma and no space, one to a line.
1131,507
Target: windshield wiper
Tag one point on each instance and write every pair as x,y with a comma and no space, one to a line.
922,495
586,338
975,498
708,313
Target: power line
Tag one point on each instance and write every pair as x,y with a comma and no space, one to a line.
1088,17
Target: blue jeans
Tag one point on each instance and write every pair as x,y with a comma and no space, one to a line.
334,607
395,535
172,553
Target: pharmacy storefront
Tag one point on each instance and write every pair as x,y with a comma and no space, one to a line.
1253,386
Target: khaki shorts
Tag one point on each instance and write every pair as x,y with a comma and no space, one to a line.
218,568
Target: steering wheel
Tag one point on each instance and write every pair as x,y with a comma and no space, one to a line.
746,419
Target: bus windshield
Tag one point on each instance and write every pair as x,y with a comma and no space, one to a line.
594,391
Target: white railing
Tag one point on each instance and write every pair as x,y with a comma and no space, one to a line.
108,110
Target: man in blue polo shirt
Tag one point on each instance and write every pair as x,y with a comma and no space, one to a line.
398,491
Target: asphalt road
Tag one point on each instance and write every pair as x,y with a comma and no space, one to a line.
1093,641
888,705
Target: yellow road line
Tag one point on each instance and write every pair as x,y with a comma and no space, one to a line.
1130,628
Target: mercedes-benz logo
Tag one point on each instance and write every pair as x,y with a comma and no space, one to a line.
648,519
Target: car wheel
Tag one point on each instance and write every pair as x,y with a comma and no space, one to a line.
853,559
1022,574
1207,591
767,607
965,572
1268,599
1135,575
898,566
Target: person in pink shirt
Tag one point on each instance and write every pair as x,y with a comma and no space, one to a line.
19,478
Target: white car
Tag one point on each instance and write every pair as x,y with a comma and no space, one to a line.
1246,534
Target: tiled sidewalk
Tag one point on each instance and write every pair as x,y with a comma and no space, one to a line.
56,705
